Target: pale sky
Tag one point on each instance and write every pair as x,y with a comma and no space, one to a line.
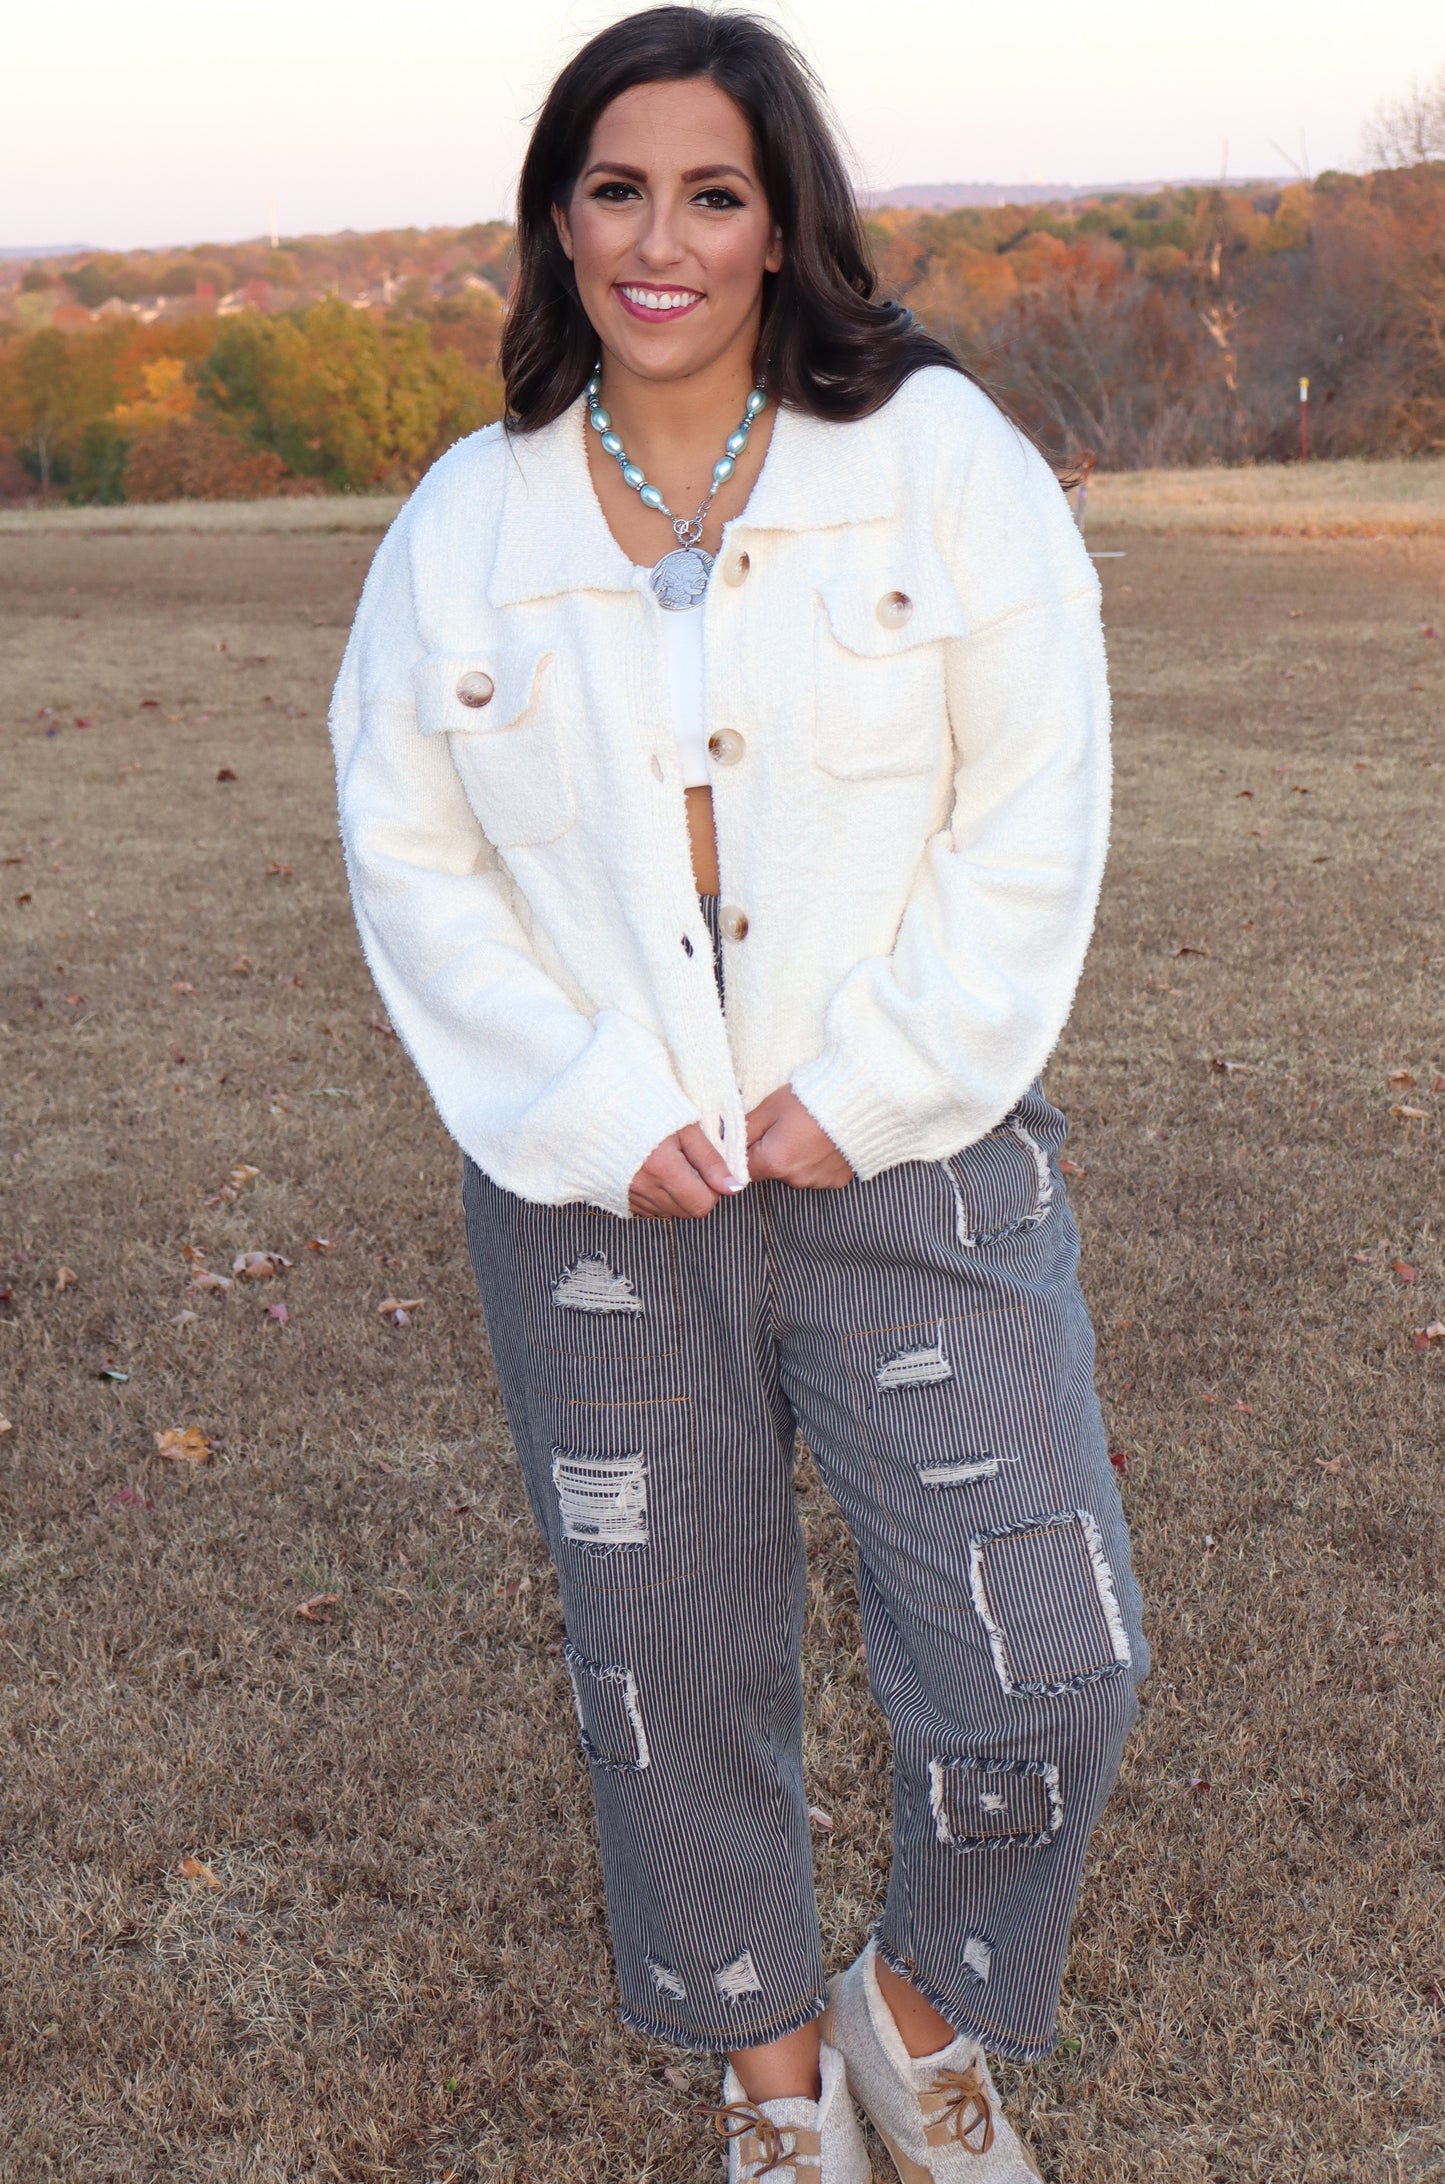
162,122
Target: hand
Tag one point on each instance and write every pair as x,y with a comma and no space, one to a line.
681,1179
784,1142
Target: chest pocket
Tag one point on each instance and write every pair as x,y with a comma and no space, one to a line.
501,711
878,675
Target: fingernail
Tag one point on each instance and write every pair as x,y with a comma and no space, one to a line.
732,1184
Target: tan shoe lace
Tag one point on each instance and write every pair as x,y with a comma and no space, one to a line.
965,2113
760,2140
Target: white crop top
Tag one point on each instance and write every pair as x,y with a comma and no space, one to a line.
682,630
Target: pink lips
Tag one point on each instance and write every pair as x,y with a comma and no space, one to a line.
654,318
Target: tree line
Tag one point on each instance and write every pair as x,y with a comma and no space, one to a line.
1161,329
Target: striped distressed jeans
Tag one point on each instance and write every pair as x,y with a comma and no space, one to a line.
926,1334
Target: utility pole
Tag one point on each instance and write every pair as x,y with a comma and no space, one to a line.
1304,420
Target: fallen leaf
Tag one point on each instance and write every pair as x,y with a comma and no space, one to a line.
320,1243
1227,1069
822,1821
390,1305
112,1372
1199,1783
1426,1337
182,1319
1408,1275
1072,1167
21,900
457,1508
314,1609
1403,1081
196,1869
243,966
1246,1407
1121,1460
82,720
385,1029
258,1266
7,1425
186,1444
182,985
1437,1084
225,773
676,2077
278,1312
1189,949
150,705
204,1279
192,1256
1211,1544
1410,1114
278,871
1330,1467
64,1279
126,1497
241,1175
1208,1397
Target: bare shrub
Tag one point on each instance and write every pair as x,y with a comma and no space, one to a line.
194,458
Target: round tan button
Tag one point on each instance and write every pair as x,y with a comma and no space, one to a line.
735,568
475,688
727,746
733,922
894,609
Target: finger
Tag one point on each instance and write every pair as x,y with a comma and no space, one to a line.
707,1161
671,1173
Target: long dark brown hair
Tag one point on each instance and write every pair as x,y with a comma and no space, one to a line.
829,343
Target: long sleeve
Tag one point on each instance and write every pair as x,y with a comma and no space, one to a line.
552,1102
928,1047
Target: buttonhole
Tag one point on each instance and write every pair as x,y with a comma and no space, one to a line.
686,945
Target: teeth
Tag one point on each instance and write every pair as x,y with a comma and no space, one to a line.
665,299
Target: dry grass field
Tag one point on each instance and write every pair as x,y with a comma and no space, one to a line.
290,1896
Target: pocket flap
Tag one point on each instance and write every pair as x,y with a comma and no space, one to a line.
471,693
878,616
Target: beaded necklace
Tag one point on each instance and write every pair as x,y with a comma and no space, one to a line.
679,579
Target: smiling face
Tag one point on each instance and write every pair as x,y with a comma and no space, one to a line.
669,232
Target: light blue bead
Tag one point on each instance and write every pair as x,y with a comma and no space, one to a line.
650,497
599,420
737,442
757,400
594,388
633,475
722,471
612,444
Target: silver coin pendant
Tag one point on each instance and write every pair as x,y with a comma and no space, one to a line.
679,580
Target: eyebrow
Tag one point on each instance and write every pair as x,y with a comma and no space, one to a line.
638,174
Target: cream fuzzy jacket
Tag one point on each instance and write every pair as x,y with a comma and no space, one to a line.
906,699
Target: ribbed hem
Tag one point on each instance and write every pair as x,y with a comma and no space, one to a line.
734,2038
993,2039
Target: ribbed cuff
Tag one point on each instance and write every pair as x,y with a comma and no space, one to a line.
631,1110
863,1120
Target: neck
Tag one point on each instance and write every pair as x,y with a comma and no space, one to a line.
666,422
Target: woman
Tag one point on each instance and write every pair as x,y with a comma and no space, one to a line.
728,875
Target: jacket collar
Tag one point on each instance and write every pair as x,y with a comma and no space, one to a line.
553,536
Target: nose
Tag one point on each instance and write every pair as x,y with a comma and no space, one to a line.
658,246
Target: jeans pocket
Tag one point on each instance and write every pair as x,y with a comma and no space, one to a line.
624,1494
1003,1185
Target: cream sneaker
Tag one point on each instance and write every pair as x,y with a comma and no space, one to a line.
938,2115
795,2142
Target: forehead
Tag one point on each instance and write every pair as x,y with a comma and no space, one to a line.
672,127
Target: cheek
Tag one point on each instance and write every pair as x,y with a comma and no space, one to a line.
741,261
